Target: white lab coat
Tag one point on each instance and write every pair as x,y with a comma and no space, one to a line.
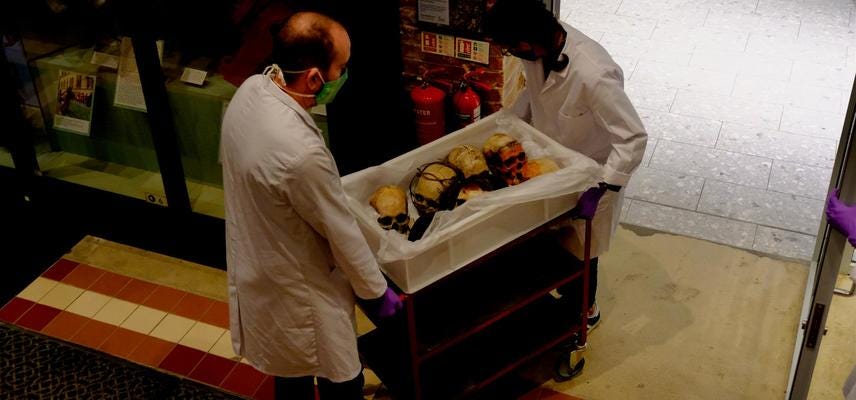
585,108
295,255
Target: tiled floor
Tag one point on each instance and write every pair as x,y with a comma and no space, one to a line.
744,101
154,325
150,324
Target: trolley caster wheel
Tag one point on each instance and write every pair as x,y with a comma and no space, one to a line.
570,366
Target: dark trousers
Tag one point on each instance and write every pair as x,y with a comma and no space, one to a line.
574,289
303,388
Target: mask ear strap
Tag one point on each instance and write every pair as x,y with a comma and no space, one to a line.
305,70
272,69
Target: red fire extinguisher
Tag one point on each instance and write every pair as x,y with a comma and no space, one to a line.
429,107
466,101
467,105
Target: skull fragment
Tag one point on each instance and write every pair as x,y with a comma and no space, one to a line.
432,188
391,203
539,166
467,192
505,157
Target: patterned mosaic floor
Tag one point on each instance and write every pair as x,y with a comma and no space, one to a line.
152,325
179,333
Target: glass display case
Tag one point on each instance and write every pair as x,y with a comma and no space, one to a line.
104,112
66,59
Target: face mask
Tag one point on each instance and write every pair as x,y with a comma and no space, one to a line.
328,89
528,56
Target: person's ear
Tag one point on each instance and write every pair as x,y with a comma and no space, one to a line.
315,79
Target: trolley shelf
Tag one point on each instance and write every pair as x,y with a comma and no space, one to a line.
483,358
461,308
472,328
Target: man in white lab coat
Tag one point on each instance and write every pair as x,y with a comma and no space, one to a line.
295,255
575,94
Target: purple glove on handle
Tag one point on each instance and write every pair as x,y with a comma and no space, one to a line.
841,216
384,306
587,204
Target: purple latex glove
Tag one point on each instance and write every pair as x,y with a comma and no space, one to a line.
841,216
385,306
587,205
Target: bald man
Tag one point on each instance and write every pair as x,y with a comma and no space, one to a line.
295,256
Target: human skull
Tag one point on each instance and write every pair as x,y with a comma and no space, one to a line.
391,203
468,159
506,157
430,186
539,166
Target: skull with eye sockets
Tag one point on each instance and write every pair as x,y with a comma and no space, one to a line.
505,157
391,203
468,159
433,188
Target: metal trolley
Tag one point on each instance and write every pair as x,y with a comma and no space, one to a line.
463,333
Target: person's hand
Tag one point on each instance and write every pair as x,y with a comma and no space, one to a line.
587,204
841,216
384,306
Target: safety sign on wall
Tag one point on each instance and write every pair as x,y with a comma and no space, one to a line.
436,43
472,50
434,11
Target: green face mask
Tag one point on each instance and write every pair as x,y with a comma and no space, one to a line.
330,89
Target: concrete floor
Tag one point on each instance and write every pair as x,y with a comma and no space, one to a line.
690,319
683,318
744,102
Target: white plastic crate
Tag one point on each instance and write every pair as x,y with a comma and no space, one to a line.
481,225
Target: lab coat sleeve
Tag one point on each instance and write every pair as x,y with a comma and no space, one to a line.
315,191
614,112
522,106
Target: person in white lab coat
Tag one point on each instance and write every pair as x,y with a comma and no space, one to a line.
575,94
295,256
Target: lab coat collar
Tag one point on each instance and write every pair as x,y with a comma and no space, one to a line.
555,75
289,102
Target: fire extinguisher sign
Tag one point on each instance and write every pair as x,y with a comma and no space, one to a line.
472,50
436,43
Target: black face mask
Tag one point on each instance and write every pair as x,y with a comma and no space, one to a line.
528,56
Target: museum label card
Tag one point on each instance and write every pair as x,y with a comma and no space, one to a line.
105,60
194,76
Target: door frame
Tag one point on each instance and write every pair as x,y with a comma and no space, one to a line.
828,255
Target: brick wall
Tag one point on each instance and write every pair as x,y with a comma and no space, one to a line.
416,62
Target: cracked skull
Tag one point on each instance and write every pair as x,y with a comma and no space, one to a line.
505,157
468,159
391,203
